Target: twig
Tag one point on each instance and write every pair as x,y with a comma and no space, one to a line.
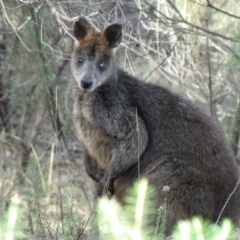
209,4
163,60
12,26
183,20
138,139
84,228
209,69
226,203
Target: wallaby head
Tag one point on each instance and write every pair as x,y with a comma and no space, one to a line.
92,60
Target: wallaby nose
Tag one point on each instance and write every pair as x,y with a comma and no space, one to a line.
86,84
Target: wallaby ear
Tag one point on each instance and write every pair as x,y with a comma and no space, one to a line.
82,28
113,35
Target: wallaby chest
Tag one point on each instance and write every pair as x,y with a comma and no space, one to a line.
98,144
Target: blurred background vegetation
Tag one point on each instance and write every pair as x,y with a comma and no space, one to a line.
189,46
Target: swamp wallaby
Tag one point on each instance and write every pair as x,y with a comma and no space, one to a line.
130,129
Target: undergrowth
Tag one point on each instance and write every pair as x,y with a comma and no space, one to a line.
37,215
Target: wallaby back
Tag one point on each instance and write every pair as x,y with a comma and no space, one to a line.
130,130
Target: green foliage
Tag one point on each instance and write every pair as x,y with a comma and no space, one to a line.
127,223
46,219
161,222
116,222
11,223
198,229
46,216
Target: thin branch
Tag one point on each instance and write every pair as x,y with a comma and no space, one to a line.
226,203
12,26
214,35
209,4
209,69
236,131
81,232
183,20
221,96
171,50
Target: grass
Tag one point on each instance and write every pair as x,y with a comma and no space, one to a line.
41,217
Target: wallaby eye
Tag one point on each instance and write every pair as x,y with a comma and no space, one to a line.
80,60
102,66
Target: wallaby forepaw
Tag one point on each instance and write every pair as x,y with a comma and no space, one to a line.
105,189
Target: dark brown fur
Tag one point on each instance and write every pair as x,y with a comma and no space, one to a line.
125,124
